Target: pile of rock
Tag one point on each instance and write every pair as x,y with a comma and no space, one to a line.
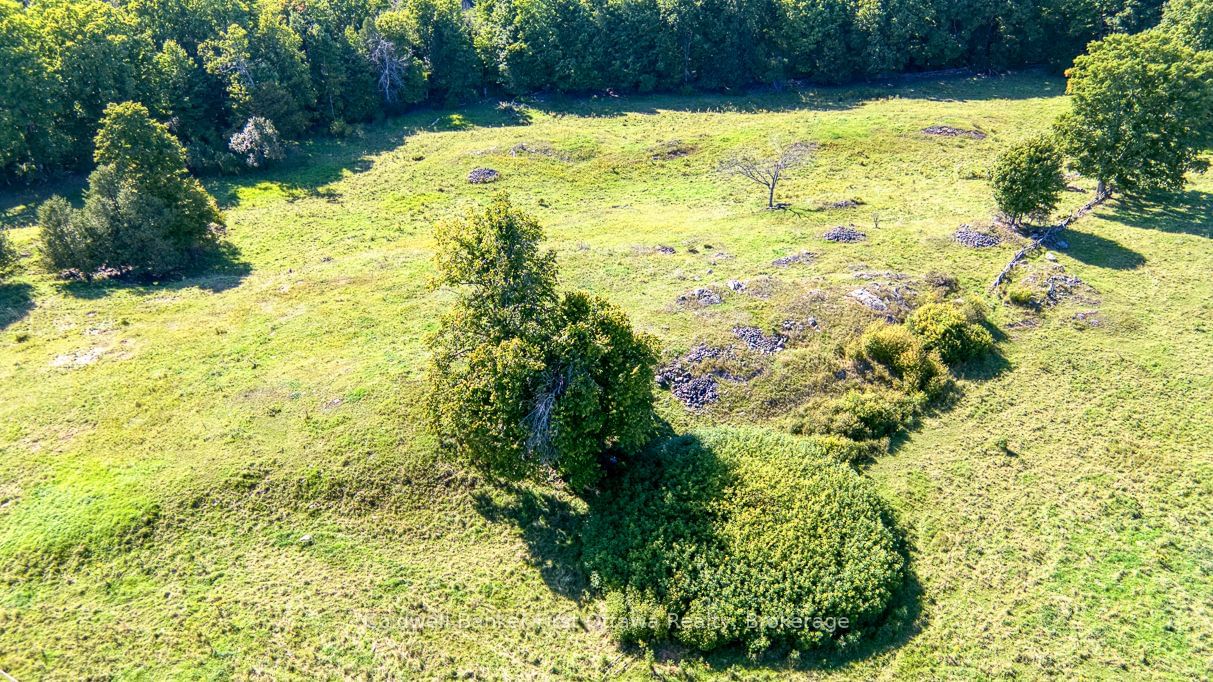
481,176
701,296
845,234
756,341
967,236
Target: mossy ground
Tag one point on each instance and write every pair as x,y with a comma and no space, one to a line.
164,448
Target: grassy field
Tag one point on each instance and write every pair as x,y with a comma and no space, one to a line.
226,476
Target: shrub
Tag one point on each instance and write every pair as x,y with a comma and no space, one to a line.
1021,295
733,534
7,255
523,378
258,143
909,364
946,329
860,415
143,213
1028,180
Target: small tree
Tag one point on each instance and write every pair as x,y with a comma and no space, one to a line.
258,143
522,378
7,255
767,171
143,213
1141,110
1028,180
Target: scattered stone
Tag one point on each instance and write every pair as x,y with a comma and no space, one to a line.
665,249
949,131
1088,318
1055,242
844,234
701,296
306,540
1050,256
755,340
973,239
805,257
870,300
481,176
735,285
796,326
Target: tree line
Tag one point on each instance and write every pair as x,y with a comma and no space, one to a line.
206,68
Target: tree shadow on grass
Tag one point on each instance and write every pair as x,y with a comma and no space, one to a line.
1092,249
16,301
216,270
322,161
1184,212
550,526
948,86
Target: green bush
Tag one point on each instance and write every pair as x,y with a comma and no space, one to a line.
524,378
7,255
946,329
1028,180
910,366
1021,295
143,213
866,415
741,536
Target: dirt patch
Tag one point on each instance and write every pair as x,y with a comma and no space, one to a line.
967,236
79,358
844,234
674,149
804,257
949,131
1087,319
481,176
538,149
844,204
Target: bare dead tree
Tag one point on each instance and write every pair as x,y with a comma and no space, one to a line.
390,64
767,171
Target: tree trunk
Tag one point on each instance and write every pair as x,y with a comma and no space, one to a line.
1101,190
771,196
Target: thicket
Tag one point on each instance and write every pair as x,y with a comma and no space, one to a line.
206,67
1028,179
143,215
742,537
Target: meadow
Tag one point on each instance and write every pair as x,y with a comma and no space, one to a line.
226,475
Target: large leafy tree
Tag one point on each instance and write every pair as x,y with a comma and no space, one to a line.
1141,111
29,103
1191,21
143,215
101,56
521,376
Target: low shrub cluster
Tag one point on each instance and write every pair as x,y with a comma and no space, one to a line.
901,359
948,330
742,537
860,415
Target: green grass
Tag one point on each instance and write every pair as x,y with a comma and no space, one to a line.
164,447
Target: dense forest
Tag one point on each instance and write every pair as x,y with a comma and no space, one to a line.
232,77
